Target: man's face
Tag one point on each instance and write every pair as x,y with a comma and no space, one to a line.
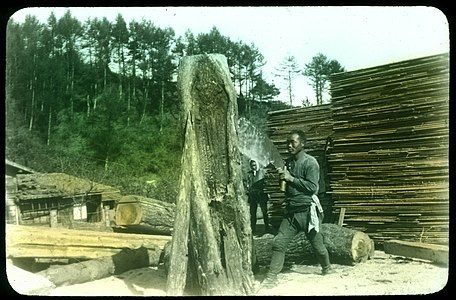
294,144
253,165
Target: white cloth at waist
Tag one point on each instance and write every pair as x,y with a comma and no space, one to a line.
314,222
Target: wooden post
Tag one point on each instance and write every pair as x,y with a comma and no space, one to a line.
53,220
433,252
341,216
17,214
106,215
212,241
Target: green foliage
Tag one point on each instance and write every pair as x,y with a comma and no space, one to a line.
288,70
149,161
98,99
318,71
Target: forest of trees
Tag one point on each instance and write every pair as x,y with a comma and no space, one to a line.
97,99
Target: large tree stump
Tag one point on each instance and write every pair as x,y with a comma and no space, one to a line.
144,215
345,246
212,240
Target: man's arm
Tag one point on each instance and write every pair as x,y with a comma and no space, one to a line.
308,181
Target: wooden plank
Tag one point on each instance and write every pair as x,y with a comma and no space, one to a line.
340,222
432,252
33,241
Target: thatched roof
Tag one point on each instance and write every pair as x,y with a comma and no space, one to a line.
60,184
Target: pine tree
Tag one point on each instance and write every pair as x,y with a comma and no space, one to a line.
288,70
318,71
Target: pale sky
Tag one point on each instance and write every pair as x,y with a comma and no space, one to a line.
357,37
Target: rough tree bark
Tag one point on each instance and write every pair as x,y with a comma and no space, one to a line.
345,246
212,240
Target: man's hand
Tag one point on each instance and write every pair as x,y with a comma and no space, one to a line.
285,174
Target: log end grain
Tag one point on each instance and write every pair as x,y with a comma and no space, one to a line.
362,247
128,213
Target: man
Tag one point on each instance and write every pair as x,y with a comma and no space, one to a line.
301,174
256,195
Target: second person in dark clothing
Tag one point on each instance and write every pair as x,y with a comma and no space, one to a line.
256,195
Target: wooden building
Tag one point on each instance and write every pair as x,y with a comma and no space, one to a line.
57,199
12,169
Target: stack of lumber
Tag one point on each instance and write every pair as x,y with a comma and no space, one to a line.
44,242
100,254
276,196
389,158
316,122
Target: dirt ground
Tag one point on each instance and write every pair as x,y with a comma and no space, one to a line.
384,274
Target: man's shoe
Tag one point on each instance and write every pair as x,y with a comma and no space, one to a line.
269,282
327,270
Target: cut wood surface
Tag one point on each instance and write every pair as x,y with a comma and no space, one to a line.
345,246
153,216
435,253
34,241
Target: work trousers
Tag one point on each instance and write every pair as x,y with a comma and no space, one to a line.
260,199
290,226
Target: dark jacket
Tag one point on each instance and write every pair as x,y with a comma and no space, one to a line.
306,172
255,185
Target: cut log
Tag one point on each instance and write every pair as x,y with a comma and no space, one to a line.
126,259
345,246
212,239
435,253
45,242
144,215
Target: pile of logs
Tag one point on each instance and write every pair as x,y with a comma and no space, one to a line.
389,159
101,254
45,242
316,122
